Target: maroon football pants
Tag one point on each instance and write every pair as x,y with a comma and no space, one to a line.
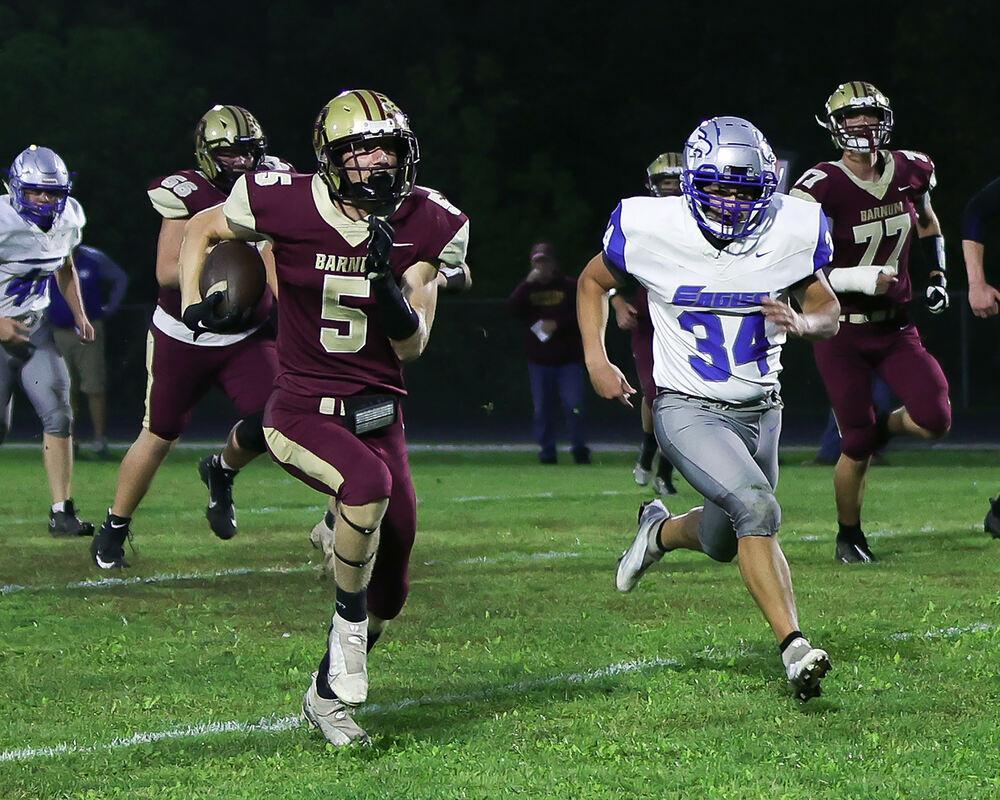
846,363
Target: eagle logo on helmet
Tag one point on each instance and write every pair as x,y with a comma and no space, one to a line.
732,155
854,97
352,123
223,135
39,169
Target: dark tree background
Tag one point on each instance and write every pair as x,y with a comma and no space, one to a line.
534,118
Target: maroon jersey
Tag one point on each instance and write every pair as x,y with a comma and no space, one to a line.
872,223
183,194
330,336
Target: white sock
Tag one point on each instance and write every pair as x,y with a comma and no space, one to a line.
59,506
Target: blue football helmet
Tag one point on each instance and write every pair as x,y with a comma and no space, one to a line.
730,154
41,169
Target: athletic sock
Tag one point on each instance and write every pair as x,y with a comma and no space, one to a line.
352,606
220,460
849,533
58,507
648,451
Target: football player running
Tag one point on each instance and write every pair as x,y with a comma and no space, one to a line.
183,365
40,224
357,250
663,179
719,264
874,199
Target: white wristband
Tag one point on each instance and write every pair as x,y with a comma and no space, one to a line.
855,279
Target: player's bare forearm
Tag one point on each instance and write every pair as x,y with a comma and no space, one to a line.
201,232
820,316
592,290
68,282
420,288
984,299
927,221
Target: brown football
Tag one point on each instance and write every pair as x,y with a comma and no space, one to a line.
236,269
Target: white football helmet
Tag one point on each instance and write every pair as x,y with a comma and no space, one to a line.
729,155
40,169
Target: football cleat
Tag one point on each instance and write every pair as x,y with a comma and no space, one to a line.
854,551
108,547
331,718
992,522
67,523
643,552
220,511
806,673
664,486
323,536
641,474
348,671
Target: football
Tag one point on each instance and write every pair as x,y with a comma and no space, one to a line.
236,269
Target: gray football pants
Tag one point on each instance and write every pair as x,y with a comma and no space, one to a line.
45,381
731,457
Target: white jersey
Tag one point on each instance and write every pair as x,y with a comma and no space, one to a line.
28,255
710,337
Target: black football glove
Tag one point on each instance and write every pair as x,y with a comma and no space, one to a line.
379,248
202,317
936,293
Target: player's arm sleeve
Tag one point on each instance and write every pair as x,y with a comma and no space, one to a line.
237,208
167,204
984,206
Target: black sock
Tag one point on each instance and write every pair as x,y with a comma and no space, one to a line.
352,606
322,684
118,522
788,640
648,451
665,470
849,533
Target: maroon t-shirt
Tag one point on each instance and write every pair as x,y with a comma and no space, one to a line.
553,300
330,336
872,223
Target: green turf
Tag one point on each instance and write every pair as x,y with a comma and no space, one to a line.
515,668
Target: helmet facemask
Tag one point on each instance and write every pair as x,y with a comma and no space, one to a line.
226,133
732,157
663,176
377,188
852,99
251,151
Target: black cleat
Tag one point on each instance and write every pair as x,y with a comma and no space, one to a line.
67,523
992,522
220,512
854,550
108,547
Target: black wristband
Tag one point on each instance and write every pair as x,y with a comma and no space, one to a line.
932,250
399,320
454,278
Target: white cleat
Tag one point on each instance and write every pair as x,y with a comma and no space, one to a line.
323,537
806,673
348,673
643,553
642,476
331,718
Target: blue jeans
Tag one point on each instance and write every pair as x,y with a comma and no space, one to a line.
566,380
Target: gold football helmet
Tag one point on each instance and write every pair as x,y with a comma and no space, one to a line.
663,176
228,131
353,123
858,96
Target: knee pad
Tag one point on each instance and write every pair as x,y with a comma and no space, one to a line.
250,433
757,512
57,421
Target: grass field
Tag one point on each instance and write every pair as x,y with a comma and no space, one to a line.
515,668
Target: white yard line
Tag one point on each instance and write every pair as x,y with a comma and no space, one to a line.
275,724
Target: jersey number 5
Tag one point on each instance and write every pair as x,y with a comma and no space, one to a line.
349,333
750,344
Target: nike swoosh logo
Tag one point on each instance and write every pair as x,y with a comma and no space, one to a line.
903,188
212,504
403,244
102,563
761,255
122,525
